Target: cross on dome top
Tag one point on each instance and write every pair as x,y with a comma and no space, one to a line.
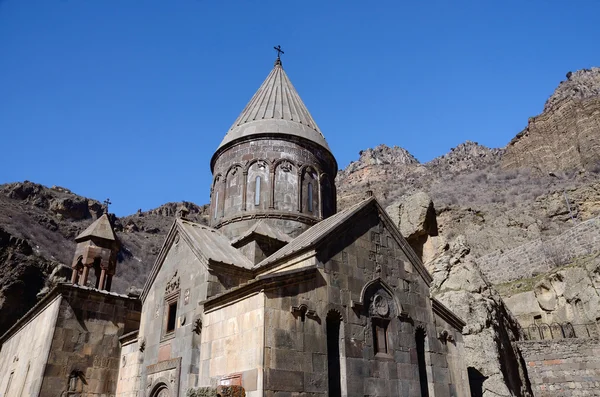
279,52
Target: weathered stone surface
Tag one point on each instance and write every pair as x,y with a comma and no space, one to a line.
491,329
566,135
414,215
538,257
569,293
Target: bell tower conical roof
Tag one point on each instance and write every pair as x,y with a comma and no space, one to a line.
276,108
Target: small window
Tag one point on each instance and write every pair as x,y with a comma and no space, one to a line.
216,204
310,197
380,337
172,316
257,191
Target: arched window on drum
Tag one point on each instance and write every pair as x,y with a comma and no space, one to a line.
310,193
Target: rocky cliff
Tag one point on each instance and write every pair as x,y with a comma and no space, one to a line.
566,136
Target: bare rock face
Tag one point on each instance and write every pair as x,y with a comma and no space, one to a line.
467,156
491,329
380,155
23,274
566,136
570,293
579,85
415,217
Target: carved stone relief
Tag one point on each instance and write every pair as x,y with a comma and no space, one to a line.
173,284
286,166
379,306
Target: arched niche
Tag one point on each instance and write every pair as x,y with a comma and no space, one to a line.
257,186
286,186
233,190
309,196
328,204
378,299
217,197
160,390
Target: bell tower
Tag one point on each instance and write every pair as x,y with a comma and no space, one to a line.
95,256
273,165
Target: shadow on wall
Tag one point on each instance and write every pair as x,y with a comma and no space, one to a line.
476,380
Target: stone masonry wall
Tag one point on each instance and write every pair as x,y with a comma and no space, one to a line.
86,341
269,178
23,355
563,368
364,258
538,256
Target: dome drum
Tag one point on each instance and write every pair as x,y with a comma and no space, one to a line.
287,179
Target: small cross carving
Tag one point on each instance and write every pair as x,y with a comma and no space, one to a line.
106,203
279,51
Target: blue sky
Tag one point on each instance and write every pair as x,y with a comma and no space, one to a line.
128,99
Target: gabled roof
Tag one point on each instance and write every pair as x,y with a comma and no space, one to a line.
212,244
275,108
101,228
322,230
208,244
315,234
263,229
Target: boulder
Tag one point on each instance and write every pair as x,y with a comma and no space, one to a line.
414,215
71,208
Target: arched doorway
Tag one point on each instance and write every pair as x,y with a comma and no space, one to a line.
334,373
160,390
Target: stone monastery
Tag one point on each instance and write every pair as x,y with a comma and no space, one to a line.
281,296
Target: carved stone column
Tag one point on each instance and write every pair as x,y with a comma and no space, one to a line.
84,276
102,279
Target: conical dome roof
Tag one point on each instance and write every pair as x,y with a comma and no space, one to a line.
275,108
100,228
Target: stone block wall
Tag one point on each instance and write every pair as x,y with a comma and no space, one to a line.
86,341
23,355
563,368
270,177
232,345
182,279
361,265
129,368
538,256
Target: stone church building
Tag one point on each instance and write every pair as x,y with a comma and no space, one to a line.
282,295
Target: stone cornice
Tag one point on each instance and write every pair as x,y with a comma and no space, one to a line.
447,315
264,282
269,214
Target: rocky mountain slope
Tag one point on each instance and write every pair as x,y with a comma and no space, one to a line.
565,136
38,226
493,207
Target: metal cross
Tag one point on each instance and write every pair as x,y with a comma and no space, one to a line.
279,51
106,203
